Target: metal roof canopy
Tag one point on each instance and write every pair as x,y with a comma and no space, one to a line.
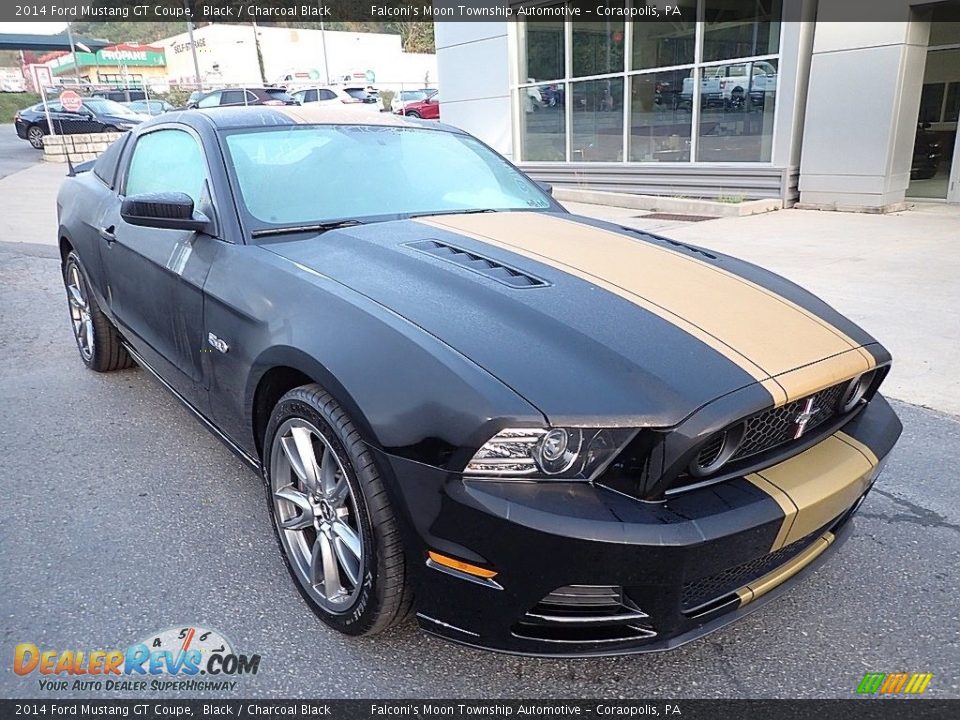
41,43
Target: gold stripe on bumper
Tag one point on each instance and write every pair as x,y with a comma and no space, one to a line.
817,485
761,586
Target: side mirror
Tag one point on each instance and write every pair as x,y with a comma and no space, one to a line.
546,187
170,211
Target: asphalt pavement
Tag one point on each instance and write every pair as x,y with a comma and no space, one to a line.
15,154
122,516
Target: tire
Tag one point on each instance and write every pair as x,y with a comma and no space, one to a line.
97,339
35,135
414,114
110,128
336,529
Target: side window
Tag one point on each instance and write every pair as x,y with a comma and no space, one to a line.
232,97
251,98
211,100
52,106
310,96
328,95
167,161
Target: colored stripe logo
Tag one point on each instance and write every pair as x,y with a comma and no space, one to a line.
894,683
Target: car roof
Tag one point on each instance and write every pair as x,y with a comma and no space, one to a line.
228,118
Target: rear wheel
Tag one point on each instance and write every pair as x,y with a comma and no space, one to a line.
35,136
97,339
413,114
334,524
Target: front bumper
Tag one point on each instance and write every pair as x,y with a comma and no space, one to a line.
639,576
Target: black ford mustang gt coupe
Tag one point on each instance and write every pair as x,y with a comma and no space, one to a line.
540,433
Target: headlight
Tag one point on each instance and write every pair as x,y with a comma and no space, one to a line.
554,453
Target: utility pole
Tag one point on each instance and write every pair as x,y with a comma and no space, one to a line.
73,51
323,43
193,50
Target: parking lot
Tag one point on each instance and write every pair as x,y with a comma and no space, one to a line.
123,517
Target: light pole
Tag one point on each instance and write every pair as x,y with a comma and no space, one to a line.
73,51
193,49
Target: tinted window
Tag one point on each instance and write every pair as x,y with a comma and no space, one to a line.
278,94
309,96
233,97
323,172
327,95
106,166
167,161
211,100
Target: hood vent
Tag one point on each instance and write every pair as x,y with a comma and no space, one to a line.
478,263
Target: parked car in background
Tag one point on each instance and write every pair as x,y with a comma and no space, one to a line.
333,96
366,95
150,107
95,115
120,95
231,97
927,154
730,85
404,97
428,108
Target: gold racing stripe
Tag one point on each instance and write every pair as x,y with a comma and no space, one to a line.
777,342
821,483
761,586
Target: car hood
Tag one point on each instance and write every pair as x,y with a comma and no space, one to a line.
592,322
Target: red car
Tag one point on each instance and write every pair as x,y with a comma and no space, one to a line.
428,108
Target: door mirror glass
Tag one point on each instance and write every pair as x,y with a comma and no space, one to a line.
167,210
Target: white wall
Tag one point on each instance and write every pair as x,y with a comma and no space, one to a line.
231,48
475,60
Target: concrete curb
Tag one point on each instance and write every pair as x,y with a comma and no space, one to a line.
656,203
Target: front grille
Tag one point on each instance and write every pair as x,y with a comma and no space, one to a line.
768,429
699,592
585,614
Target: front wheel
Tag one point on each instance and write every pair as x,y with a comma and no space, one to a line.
413,114
334,524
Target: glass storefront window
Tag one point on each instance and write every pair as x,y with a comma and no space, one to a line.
573,81
662,44
597,48
598,120
659,118
740,28
543,122
736,111
541,51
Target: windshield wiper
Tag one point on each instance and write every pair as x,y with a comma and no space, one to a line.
315,228
471,211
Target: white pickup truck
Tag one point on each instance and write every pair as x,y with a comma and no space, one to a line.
731,85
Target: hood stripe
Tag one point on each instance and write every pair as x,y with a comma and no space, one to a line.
786,348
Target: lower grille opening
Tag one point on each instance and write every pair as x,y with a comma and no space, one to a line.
585,614
698,596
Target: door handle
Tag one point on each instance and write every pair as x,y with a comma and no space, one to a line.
107,233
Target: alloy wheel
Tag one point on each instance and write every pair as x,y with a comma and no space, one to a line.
316,515
35,136
80,311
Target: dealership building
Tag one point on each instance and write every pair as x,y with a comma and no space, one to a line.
736,99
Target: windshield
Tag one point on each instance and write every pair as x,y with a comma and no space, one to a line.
321,173
103,106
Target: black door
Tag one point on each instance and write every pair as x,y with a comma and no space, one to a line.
154,276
